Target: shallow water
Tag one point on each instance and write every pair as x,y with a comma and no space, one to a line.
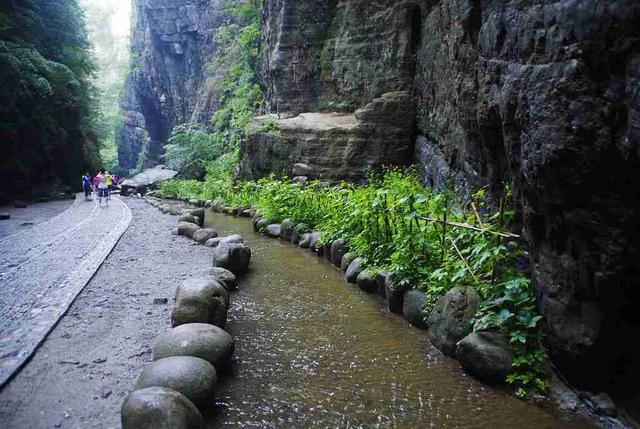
314,352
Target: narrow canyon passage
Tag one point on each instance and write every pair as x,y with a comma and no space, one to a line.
312,351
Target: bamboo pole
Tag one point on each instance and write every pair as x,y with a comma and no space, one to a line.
464,260
467,226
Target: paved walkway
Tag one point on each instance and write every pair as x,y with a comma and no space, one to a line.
44,268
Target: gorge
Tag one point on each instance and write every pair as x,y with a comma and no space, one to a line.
540,95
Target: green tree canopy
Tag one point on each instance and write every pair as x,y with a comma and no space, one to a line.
48,126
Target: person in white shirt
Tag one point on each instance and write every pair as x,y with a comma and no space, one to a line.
103,188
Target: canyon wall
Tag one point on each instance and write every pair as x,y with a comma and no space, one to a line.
170,81
541,95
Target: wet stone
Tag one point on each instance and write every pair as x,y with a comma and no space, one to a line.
160,301
200,300
451,318
234,257
368,280
159,408
273,230
346,260
486,355
305,241
226,277
5,216
355,268
298,231
413,308
285,229
314,241
262,224
203,235
337,251
205,341
193,377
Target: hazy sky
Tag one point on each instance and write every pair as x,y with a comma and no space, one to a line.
119,14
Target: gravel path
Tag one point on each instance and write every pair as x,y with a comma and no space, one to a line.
43,269
24,219
81,374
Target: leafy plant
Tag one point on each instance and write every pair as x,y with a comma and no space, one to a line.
428,239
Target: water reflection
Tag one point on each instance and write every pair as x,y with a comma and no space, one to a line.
314,352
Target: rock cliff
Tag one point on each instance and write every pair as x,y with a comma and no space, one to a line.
545,96
542,95
173,41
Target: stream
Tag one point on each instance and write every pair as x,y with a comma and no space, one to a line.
314,352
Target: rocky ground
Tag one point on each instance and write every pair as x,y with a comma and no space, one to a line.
86,367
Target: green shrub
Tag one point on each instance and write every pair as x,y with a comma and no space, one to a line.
428,239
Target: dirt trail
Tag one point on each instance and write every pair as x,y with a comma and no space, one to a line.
82,373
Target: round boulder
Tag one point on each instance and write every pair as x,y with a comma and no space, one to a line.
273,230
262,224
314,241
394,295
214,242
337,251
187,229
413,308
189,218
200,301
486,355
234,257
354,269
298,231
304,241
205,287
191,376
452,317
367,280
300,169
285,229
226,277
346,260
204,234
175,210
159,408
202,340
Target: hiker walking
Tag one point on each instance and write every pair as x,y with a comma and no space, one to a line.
86,186
103,189
109,185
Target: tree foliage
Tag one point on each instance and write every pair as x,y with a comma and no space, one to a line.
48,126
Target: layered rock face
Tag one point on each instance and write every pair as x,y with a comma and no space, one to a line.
545,96
170,83
348,68
541,95
334,146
